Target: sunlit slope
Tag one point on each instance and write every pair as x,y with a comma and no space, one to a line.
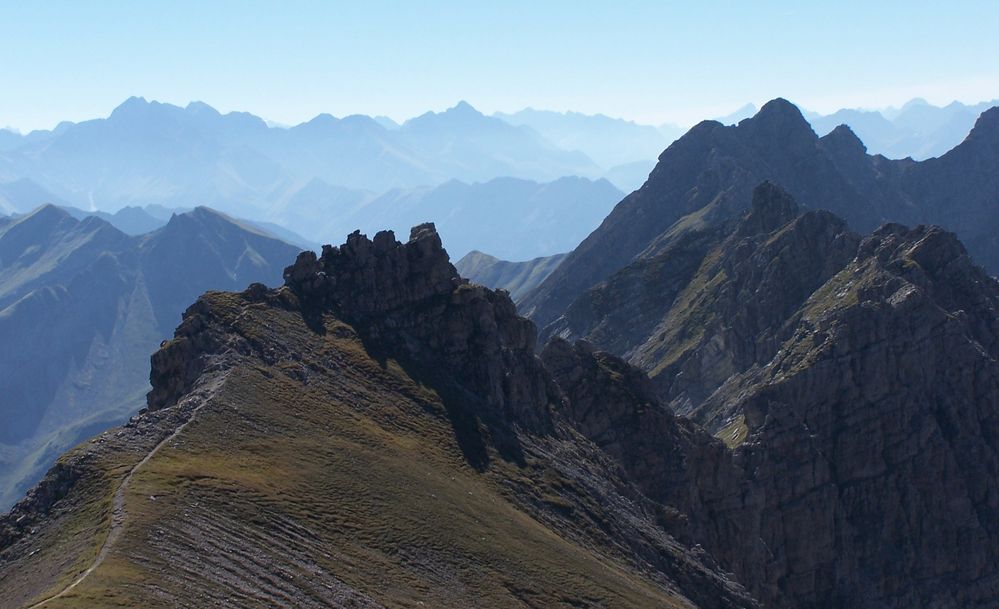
315,476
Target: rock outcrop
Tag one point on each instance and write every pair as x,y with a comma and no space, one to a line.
409,302
873,434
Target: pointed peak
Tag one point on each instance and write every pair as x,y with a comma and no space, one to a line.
322,120
199,107
915,102
48,211
463,107
843,139
772,208
779,122
45,218
134,102
780,107
131,106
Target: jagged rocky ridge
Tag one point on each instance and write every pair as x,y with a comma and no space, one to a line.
414,361
856,381
716,300
706,178
863,473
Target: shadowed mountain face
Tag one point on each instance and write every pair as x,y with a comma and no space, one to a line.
918,129
716,300
707,177
81,306
380,431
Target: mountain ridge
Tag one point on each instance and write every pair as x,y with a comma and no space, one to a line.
708,175
82,302
434,387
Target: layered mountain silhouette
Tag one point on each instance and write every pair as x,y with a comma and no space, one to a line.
610,142
81,306
707,177
23,195
518,278
917,129
380,432
154,153
517,219
514,219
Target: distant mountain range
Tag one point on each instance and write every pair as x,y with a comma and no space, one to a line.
610,142
153,153
515,219
82,305
518,278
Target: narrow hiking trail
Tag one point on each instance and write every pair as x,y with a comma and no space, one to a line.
118,508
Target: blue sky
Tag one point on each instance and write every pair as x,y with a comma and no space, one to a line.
648,61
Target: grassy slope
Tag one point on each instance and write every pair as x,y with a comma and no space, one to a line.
302,487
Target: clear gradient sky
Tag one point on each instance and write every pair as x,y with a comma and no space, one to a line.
648,61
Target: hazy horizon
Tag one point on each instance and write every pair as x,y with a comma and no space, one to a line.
400,120
638,61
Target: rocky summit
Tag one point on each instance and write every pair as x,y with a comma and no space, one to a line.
707,177
379,432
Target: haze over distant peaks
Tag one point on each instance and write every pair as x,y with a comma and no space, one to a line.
82,305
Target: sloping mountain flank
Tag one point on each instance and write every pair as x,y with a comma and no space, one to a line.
715,301
81,306
380,433
707,176
518,278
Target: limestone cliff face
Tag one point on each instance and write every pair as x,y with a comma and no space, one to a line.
715,301
860,408
873,433
409,302
674,461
